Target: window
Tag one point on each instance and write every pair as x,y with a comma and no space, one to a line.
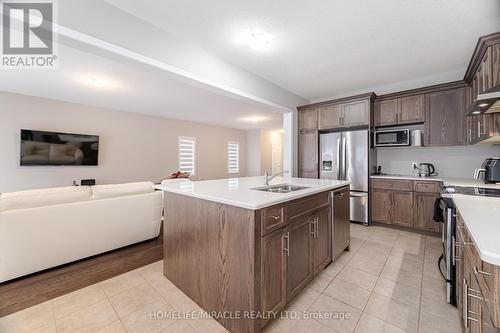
233,157
187,153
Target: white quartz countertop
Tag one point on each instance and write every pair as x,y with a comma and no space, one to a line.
445,180
239,191
481,216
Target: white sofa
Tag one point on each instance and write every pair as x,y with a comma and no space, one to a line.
40,229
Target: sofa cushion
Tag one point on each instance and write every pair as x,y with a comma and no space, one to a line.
43,197
120,190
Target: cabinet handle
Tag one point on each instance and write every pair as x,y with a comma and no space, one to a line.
465,308
275,217
477,272
313,227
453,250
316,220
287,244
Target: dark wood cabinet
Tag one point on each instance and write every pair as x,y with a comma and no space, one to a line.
385,112
424,211
330,116
308,120
402,208
411,109
356,113
445,123
300,256
308,153
273,271
341,222
322,240
399,111
404,203
381,203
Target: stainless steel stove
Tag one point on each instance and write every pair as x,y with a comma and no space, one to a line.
478,191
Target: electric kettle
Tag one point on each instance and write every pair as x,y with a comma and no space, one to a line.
426,170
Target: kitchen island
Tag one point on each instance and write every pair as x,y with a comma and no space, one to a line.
241,252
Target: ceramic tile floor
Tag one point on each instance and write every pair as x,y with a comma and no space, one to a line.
388,282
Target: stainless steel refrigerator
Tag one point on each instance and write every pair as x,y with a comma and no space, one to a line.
344,156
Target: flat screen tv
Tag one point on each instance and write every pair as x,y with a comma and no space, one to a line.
53,148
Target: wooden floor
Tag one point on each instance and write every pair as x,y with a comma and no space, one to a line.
37,288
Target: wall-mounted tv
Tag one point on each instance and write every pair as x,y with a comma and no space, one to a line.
53,148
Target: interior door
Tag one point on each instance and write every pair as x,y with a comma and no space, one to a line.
329,155
355,147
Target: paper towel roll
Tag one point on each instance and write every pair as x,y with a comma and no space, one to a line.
416,138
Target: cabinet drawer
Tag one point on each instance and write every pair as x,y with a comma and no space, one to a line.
272,218
404,185
426,187
305,205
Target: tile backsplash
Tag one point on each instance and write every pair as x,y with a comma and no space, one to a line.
451,162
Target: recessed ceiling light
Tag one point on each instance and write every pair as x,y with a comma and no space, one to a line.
483,105
254,119
476,112
98,82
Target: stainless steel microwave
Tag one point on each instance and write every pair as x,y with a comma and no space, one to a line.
389,138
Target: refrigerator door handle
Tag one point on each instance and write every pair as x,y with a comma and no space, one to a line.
339,164
344,160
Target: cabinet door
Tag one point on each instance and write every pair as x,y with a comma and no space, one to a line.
381,203
322,240
308,119
411,109
341,222
445,120
308,151
385,112
273,272
402,208
424,211
300,260
356,113
495,65
330,116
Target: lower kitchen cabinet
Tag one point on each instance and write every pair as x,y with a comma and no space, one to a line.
404,203
478,305
424,211
402,208
322,231
300,256
381,202
273,263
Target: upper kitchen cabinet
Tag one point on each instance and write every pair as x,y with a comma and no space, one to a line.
411,109
483,73
399,111
445,118
308,119
385,112
308,154
349,114
356,113
330,116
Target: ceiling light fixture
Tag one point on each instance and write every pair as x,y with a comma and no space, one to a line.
254,119
476,112
258,40
98,83
483,105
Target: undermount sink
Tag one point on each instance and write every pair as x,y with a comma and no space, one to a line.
280,188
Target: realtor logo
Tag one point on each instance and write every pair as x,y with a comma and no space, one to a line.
27,34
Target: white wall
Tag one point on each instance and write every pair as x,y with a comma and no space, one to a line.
253,153
133,147
451,162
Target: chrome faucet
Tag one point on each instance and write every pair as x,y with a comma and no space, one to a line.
270,177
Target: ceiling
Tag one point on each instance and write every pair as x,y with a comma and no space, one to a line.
322,48
136,88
